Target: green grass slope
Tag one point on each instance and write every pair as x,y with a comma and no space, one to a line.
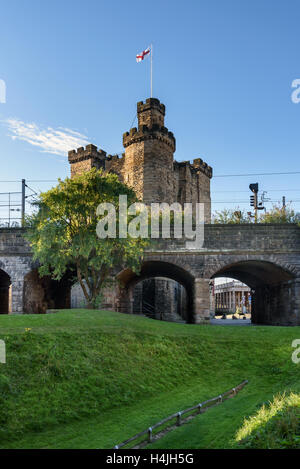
275,426
90,379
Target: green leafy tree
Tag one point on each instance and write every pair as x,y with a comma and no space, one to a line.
231,216
62,232
279,214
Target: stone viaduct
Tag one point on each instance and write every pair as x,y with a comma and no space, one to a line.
265,257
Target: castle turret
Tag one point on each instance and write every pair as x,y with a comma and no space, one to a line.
148,165
149,154
151,112
85,159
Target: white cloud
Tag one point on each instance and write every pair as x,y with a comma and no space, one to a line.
57,141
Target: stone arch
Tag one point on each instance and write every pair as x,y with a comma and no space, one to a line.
44,293
152,269
279,267
5,293
274,286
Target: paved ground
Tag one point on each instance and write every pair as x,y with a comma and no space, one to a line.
231,322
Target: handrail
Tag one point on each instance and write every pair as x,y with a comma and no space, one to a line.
177,415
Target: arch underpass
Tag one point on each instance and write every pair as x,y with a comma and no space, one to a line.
158,270
43,293
272,289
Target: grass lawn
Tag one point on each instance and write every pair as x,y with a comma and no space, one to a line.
90,379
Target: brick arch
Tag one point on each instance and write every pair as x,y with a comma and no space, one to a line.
152,269
273,283
229,263
157,268
3,268
43,293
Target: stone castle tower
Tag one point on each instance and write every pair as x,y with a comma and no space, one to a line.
148,163
148,166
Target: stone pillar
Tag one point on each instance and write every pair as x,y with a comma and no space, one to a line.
212,299
201,301
296,301
17,295
124,300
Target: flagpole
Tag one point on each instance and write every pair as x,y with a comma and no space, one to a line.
151,72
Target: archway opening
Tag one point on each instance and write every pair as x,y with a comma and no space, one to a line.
5,293
161,290
161,298
44,293
268,286
232,299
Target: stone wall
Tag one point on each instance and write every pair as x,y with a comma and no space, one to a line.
160,298
265,257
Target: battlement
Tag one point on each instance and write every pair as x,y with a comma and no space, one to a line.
149,133
151,103
85,159
150,112
201,165
197,165
90,151
115,157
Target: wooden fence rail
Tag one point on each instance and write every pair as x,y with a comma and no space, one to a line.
148,433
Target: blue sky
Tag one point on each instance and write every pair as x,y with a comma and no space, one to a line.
222,68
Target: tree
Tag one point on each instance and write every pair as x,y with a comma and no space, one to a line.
231,216
62,232
279,214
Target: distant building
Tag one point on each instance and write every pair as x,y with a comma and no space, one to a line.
230,295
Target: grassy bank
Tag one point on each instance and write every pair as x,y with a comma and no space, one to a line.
89,379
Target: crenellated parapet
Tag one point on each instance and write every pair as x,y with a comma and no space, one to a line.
150,112
116,157
155,132
90,151
198,165
85,159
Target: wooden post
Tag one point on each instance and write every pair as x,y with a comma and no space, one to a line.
178,419
150,434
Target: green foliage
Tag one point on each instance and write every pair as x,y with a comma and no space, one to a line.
276,425
228,216
62,233
276,214
279,214
91,379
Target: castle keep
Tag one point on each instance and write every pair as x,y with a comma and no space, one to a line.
148,165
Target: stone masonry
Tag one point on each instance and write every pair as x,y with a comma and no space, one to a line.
265,257
148,167
148,164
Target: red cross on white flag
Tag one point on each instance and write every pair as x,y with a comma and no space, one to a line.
143,54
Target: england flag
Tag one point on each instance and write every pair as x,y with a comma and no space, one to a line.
143,54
